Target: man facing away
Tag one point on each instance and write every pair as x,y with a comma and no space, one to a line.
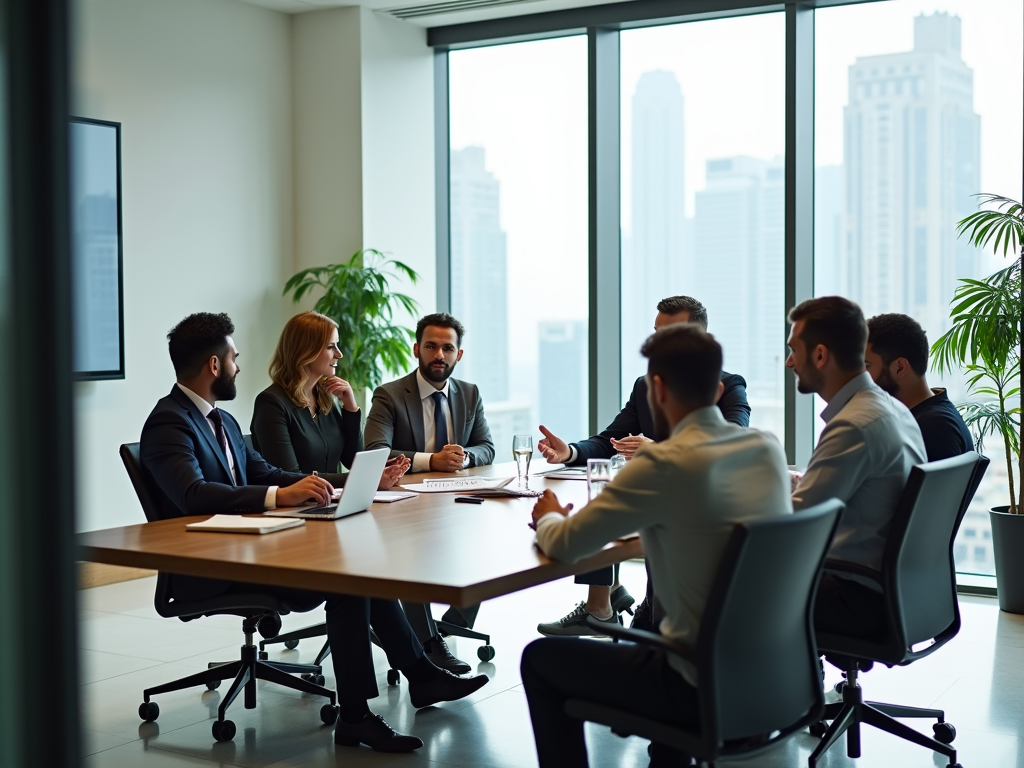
897,359
863,457
683,495
632,428
196,462
439,423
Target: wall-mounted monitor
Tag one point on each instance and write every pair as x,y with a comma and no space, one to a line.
97,283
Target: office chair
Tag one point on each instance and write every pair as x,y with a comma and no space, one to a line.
918,580
260,613
756,631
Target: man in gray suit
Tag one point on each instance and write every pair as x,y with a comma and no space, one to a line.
439,423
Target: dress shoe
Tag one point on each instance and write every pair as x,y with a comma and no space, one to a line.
454,616
621,600
643,619
444,687
574,624
440,656
374,732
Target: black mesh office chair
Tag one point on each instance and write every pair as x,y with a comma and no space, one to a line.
756,632
918,580
260,613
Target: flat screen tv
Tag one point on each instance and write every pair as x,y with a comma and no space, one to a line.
96,249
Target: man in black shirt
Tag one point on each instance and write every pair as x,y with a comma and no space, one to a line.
897,359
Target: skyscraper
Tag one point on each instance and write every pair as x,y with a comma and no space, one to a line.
479,272
563,363
912,157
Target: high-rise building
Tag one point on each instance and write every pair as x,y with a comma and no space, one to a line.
563,363
479,270
912,157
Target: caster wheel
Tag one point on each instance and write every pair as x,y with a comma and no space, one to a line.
318,680
149,711
818,729
291,645
223,730
393,677
944,732
214,685
264,655
329,714
840,686
485,652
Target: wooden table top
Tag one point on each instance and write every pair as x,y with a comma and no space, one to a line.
426,549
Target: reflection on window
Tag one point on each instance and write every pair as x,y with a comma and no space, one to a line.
917,108
703,192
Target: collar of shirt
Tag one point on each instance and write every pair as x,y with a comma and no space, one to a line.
427,389
844,395
203,406
708,415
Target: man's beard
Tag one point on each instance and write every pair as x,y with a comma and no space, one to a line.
887,383
437,376
809,380
223,387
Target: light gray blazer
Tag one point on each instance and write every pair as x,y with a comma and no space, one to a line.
396,420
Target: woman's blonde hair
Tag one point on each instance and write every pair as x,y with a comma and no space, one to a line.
302,341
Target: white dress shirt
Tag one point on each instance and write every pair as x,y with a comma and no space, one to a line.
270,502
421,459
863,458
683,495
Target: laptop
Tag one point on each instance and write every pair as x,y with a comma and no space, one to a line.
356,496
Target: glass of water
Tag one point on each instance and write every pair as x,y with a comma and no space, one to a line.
599,474
618,463
522,452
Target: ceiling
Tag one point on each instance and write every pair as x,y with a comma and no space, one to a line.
434,13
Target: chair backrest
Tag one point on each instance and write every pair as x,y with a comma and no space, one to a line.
133,464
917,566
757,659
247,439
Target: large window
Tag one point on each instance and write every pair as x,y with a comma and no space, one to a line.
519,276
703,186
918,107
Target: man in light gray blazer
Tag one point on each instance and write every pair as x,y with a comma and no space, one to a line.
435,420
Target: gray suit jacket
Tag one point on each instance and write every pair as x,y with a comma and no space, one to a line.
396,420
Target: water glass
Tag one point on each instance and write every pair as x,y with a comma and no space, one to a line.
599,474
522,452
618,463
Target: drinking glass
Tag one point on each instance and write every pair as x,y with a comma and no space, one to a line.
522,452
599,474
618,463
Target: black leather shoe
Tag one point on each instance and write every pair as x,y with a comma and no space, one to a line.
444,687
621,600
440,656
375,733
643,619
454,616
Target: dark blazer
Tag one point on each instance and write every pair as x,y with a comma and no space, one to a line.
288,436
396,420
187,472
635,418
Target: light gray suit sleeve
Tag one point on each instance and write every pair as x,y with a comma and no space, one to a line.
481,447
380,424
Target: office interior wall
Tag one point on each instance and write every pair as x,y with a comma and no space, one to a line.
203,91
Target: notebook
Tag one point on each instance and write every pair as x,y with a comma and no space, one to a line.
357,495
239,524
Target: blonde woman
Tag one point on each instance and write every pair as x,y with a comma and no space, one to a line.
308,420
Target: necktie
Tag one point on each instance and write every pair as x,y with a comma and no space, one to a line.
218,429
440,423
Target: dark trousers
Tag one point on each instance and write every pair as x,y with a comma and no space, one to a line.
848,608
602,577
422,621
349,619
630,677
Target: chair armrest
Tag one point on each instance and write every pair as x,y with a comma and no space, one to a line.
843,566
642,637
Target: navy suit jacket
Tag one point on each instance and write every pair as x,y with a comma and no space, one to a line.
187,472
635,418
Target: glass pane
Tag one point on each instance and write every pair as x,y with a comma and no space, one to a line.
703,192
918,107
519,232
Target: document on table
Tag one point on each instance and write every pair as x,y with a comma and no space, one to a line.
566,473
239,524
387,497
457,484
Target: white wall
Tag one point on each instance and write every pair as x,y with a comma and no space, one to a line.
202,89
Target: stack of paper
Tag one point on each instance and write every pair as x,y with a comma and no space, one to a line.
239,524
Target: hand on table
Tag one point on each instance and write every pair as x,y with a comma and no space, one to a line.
308,489
393,472
448,459
552,447
342,390
548,503
628,446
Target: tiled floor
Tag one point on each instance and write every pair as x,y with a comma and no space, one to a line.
978,678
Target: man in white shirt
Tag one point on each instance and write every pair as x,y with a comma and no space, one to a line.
683,495
863,457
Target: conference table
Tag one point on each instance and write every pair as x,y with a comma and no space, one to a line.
424,549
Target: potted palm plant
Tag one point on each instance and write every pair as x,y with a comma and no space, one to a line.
358,297
985,340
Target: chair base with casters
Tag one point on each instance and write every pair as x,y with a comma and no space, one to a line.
485,652
243,675
848,715
291,642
